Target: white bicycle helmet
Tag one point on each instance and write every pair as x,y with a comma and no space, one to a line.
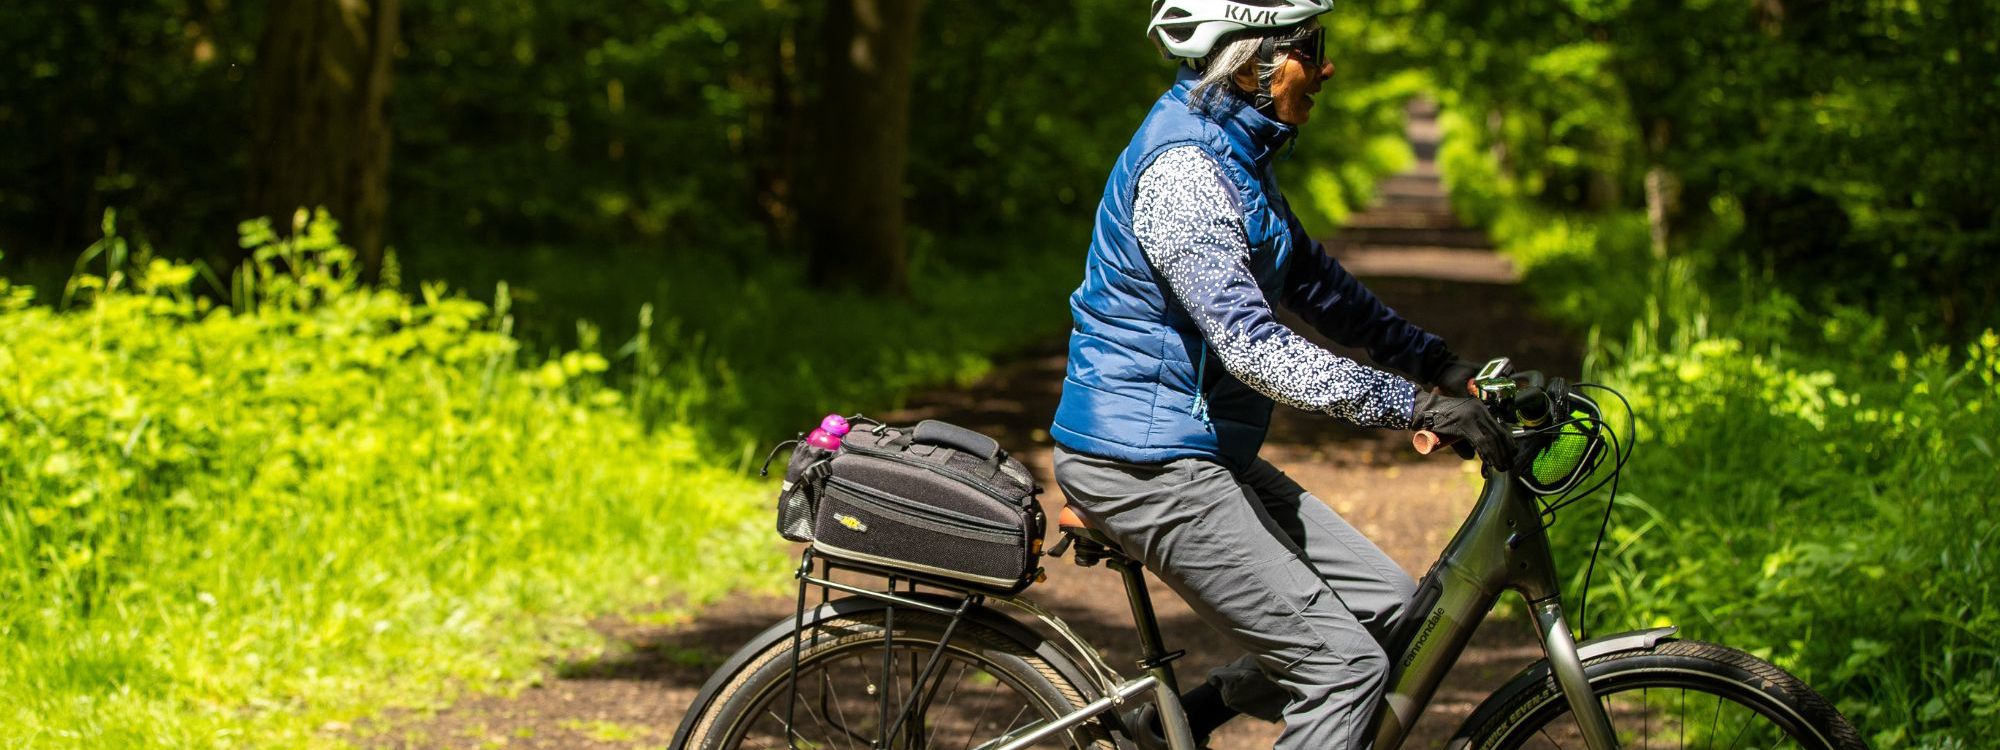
1188,29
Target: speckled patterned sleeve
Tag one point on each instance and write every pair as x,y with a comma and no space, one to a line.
1186,220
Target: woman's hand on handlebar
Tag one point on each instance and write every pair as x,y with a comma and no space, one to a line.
1468,420
1456,378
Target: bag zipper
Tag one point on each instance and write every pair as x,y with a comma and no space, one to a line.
906,506
941,524
976,483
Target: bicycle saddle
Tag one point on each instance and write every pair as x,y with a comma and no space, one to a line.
1091,545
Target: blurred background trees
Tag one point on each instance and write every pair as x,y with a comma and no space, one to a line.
1842,151
1835,141
744,130
853,207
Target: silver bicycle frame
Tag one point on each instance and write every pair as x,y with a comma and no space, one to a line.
1502,546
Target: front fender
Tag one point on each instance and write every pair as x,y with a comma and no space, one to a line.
781,633
1538,673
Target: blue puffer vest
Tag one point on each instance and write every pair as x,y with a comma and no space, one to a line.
1134,354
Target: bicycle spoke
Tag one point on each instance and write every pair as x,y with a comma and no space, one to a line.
1552,740
1602,700
953,695
781,723
827,677
816,722
788,731
973,730
1014,722
927,703
1714,722
1740,730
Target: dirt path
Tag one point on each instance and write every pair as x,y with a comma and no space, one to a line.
1413,255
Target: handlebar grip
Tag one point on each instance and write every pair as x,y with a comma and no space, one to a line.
1425,441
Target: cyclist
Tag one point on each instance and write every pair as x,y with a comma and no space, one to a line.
1176,359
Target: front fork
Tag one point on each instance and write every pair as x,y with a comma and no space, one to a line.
1505,545
1568,670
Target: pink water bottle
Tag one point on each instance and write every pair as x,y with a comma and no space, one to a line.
819,445
827,436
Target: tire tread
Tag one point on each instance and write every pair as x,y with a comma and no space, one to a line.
1747,670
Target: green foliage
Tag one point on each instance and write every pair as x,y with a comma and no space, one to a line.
1352,142
1850,142
678,127
746,353
225,526
595,120
1814,485
1830,509
1817,488
138,104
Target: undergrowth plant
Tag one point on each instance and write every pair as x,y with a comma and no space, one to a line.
229,525
1817,488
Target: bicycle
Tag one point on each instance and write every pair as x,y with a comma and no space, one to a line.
910,668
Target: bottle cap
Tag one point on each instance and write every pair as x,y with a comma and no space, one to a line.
835,424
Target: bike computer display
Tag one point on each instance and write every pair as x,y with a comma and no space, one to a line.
1494,386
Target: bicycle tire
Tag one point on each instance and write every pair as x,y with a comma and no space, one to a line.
747,711
1646,693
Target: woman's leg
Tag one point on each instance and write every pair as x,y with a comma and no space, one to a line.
1209,536
1368,583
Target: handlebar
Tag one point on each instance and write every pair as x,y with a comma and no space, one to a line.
1426,441
1519,400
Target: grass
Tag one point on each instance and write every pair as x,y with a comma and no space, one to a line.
1815,487
221,527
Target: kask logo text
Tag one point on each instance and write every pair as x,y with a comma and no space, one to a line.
1248,16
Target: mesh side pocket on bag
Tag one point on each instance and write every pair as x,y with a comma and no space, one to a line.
795,514
798,505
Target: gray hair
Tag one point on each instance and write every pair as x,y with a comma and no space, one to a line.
1218,69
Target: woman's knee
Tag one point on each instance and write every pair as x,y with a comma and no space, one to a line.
1343,666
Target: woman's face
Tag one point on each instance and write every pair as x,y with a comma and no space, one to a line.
1293,87
1302,67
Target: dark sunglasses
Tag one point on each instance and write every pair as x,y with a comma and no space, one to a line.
1310,45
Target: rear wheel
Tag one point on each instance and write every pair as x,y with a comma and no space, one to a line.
985,686
1680,694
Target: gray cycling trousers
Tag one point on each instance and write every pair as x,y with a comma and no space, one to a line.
1270,567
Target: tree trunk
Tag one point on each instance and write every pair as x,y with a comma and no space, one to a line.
1662,190
853,207
778,139
319,137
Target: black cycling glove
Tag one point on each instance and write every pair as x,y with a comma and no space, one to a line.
1468,420
1454,378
